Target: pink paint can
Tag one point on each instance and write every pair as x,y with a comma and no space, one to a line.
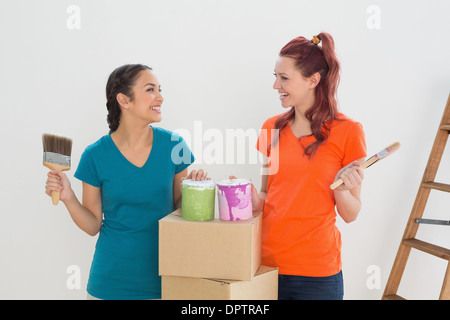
235,199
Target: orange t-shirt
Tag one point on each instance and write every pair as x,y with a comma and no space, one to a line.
299,234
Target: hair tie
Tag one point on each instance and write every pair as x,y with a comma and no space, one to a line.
315,40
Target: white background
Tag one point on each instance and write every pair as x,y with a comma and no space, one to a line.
215,62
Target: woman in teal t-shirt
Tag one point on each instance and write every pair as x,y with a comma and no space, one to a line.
131,178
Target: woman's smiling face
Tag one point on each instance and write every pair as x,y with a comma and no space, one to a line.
147,98
294,89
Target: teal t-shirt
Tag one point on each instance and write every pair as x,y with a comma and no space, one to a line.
125,263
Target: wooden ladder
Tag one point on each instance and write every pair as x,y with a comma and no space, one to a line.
409,241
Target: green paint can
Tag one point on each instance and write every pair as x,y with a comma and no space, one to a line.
198,199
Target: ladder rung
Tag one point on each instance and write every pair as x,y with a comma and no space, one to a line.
435,250
433,221
437,186
445,127
393,297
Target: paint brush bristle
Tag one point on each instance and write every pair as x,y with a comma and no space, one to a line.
57,144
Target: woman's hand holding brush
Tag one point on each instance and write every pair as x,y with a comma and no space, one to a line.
87,216
351,175
58,181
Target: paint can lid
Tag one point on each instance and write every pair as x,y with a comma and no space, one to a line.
198,184
233,182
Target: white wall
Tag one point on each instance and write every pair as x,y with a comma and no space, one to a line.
215,61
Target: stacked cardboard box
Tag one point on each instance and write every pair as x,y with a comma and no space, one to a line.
213,260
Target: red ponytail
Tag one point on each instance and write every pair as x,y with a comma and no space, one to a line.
311,58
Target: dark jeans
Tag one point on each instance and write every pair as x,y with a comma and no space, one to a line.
310,288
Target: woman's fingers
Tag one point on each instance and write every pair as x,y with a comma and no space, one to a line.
53,183
198,175
351,175
56,181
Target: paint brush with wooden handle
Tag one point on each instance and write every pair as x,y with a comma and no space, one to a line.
57,152
377,157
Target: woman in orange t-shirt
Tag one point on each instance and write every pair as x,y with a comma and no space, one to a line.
307,148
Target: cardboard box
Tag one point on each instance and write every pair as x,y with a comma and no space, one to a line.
264,286
209,249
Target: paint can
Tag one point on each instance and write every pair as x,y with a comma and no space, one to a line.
198,199
235,199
